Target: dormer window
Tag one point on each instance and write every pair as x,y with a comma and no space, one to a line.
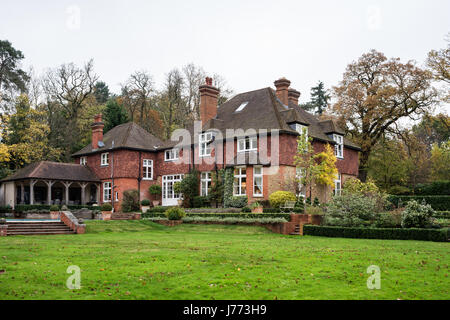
204,142
83,161
171,155
247,144
339,147
300,128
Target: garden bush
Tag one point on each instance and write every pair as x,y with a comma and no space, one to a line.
314,210
106,207
433,188
417,215
246,209
27,207
175,213
439,203
238,202
145,202
350,210
54,208
438,235
386,220
130,202
155,189
399,190
200,202
278,198
234,220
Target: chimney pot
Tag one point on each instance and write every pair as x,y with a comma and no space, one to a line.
282,86
293,96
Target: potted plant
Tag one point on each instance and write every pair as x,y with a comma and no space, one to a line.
175,216
145,205
156,191
106,211
256,207
177,188
54,212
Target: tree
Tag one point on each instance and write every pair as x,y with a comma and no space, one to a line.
12,77
319,168
440,161
101,92
114,114
375,94
319,99
433,129
439,64
136,95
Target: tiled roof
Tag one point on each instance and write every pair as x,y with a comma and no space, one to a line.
54,171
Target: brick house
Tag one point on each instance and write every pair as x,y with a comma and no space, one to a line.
255,133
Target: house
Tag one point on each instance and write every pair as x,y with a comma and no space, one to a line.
254,133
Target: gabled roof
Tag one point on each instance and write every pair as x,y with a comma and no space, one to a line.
128,135
54,171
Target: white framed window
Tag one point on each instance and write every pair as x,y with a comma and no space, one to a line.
241,107
117,196
339,146
258,181
171,155
300,128
104,159
299,174
83,161
147,168
338,185
205,183
240,181
106,191
247,144
204,144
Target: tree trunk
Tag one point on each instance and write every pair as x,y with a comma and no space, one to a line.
363,165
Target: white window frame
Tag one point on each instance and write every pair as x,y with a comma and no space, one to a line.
107,189
83,161
260,176
240,177
104,159
147,167
117,196
171,155
247,144
205,183
339,146
338,185
204,145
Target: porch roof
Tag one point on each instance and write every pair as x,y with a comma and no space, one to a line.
54,171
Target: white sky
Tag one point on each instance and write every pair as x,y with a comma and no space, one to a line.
250,43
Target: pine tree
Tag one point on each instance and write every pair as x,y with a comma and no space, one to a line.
319,98
115,114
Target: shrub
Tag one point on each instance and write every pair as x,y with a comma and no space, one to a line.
155,189
300,205
130,201
439,203
106,207
399,190
145,202
314,210
255,204
278,198
200,202
350,210
417,215
386,220
433,188
235,220
54,208
238,202
246,209
175,213
439,235
188,187
308,200
316,202
249,215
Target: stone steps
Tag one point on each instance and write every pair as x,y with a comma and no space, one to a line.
122,216
37,228
296,231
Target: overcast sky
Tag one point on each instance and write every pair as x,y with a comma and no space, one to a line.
250,43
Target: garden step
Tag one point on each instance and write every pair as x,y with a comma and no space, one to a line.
39,233
37,228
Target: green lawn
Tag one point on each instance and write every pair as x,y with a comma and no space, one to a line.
143,260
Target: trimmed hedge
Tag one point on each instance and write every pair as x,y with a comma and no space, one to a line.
27,207
437,235
442,215
225,215
439,203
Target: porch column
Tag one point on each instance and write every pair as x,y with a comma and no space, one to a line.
67,185
83,189
49,191
98,193
32,183
22,193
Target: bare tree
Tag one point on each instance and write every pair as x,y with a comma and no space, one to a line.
136,92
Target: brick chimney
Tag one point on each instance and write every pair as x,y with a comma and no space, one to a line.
208,101
293,96
282,86
97,130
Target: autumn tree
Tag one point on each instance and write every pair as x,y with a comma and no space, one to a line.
440,161
136,92
375,94
114,114
432,129
439,63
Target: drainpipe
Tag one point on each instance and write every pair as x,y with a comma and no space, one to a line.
112,176
139,176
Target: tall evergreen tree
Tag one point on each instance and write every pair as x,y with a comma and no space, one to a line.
101,92
115,114
319,99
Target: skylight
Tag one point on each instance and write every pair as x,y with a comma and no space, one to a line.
241,107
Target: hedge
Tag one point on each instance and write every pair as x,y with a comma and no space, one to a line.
285,216
27,207
442,215
440,203
438,235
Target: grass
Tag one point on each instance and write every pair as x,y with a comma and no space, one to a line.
144,260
